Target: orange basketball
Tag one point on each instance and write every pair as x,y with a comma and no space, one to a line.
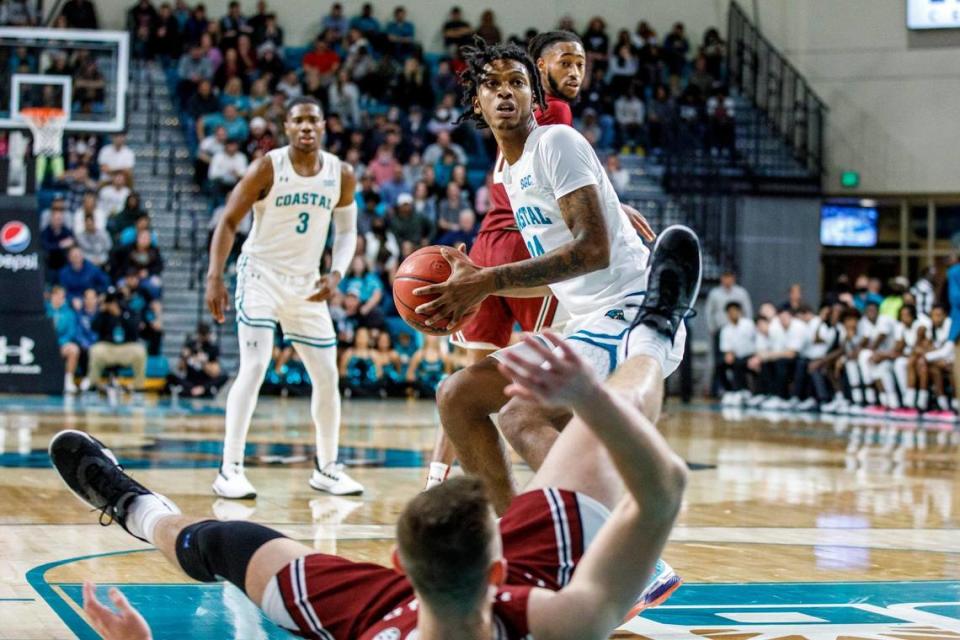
423,267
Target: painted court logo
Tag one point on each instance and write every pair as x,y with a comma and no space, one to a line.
15,236
805,611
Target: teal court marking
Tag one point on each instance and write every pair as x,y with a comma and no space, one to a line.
182,610
772,610
822,611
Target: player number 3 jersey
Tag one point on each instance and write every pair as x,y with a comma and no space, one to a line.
557,161
291,223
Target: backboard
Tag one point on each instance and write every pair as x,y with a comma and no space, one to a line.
83,72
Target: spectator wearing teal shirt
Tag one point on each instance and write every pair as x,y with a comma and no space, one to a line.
365,23
367,286
233,96
65,324
400,33
231,120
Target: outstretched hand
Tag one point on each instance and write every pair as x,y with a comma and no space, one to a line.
128,624
560,378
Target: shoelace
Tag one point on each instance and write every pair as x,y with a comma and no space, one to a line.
107,509
337,471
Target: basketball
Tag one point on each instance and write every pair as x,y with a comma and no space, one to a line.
423,267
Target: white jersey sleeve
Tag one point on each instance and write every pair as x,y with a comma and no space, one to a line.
568,161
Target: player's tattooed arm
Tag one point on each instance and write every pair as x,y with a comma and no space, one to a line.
253,186
468,284
589,251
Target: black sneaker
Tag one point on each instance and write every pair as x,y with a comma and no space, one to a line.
92,473
674,282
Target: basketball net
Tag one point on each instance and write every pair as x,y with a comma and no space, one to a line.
46,126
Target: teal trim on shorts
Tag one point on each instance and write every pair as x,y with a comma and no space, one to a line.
610,349
309,344
260,324
608,336
242,315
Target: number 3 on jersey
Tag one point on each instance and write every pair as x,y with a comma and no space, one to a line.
304,222
534,247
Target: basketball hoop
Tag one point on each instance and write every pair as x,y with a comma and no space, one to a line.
46,125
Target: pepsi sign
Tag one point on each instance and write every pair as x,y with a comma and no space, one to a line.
15,236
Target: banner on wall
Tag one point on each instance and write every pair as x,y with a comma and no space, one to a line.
30,359
21,262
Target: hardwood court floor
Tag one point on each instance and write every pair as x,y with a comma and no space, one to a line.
791,528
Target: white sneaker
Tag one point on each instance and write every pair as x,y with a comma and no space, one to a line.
69,386
730,399
232,483
85,384
333,480
773,403
757,400
228,510
807,405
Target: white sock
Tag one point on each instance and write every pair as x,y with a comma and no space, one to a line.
256,348
857,394
437,474
944,403
910,398
923,398
871,395
652,344
145,512
321,365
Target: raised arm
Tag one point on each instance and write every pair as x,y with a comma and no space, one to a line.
253,186
621,559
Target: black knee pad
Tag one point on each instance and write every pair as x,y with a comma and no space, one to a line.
208,549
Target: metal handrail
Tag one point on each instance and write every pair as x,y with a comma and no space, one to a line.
761,73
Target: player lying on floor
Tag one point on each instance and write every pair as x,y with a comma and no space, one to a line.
567,559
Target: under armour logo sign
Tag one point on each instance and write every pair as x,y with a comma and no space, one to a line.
23,351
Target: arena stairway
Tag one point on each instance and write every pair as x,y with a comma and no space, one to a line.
645,193
179,211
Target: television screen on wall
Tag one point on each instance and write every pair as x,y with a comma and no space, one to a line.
933,14
848,226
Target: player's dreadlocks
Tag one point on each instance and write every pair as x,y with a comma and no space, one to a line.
542,41
477,58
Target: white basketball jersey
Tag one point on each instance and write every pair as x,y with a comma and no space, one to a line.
291,223
941,334
556,161
885,325
909,334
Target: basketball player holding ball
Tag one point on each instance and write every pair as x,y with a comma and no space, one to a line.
294,191
560,60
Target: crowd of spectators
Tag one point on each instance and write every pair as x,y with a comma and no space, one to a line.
103,265
867,349
391,112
